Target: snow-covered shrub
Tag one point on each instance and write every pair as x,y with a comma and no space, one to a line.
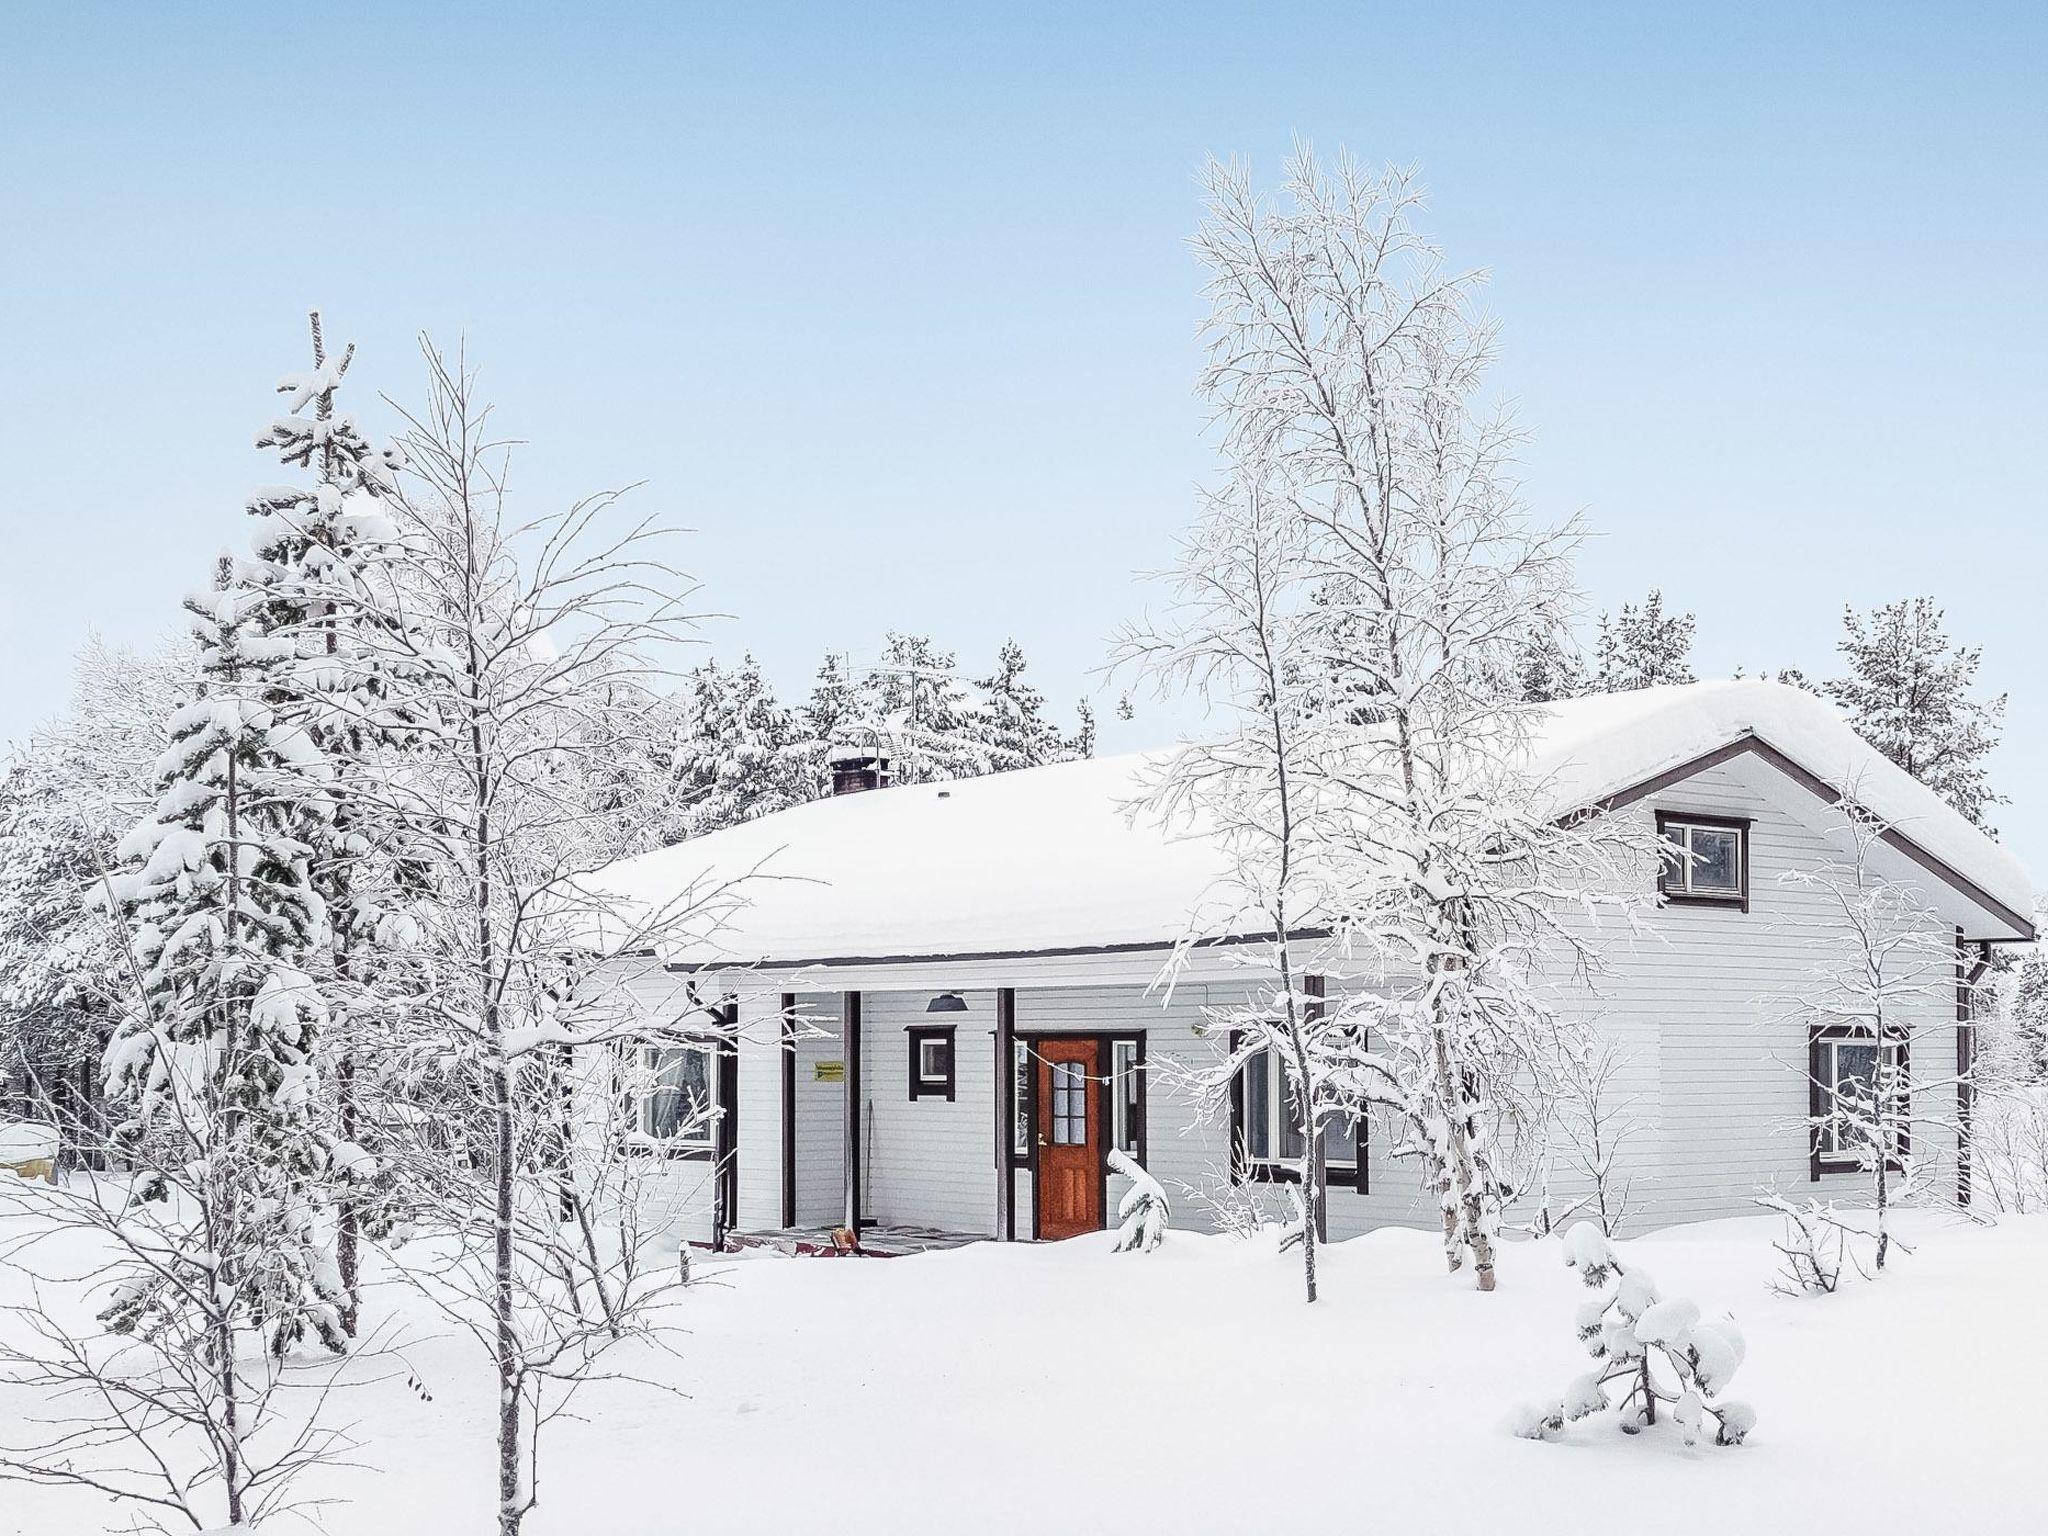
1143,1212
1814,1245
2010,1146
1629,1328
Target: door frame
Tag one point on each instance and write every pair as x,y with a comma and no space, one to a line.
1105,1044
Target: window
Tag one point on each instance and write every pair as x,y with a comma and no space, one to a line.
1069,1103
1271,1138
931,1061
1126,1095
1846,1084
675,1106
1706,859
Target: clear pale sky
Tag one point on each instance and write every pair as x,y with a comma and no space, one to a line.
893,303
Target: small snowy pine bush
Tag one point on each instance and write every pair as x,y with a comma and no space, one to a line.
1143,1212
1630,1329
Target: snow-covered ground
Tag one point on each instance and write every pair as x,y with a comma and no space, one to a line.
1033,1389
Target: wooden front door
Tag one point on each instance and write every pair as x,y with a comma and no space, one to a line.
1069,1138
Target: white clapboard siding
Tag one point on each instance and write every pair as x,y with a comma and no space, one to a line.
820,1113
759,1129
929,1161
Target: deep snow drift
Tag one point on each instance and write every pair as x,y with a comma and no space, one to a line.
1067,1387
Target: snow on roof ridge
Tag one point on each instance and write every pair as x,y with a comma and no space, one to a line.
1047,858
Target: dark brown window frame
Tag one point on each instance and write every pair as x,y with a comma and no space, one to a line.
1737,899
633,1142
1820,1163
1354,1173
920,1086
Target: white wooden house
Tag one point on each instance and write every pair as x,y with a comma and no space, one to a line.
973,967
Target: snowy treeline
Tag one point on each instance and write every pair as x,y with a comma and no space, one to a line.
737,752
1907,688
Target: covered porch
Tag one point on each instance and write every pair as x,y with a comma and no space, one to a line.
925,1117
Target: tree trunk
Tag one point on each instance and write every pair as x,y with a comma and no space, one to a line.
349,1217
1465,1210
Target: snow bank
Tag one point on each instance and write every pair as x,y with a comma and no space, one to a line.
1181,1393
1050,858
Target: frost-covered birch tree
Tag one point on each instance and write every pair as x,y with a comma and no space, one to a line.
1349,364
1246,634
517,642
1878,1012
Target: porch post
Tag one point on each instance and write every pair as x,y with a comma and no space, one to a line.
1006,1112
849,1040
787,1041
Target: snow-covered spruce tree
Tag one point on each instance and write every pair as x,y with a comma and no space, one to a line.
1642,648
1245,633
1143,1212
65,799
513,633
1550,668
917,696
741,754
1909,694
1347,365
317,544
1657,1350
1007,717
216,886
1878,1012
2021,1017
57,966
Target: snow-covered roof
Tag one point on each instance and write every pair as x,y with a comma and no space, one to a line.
1048,859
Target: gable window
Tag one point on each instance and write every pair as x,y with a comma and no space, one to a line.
931,1061
1843,1064
1705,860
674,1106
1270,1139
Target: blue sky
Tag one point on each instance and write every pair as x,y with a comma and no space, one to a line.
893,303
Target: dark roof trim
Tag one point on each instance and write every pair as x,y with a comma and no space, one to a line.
1053,953
1751,744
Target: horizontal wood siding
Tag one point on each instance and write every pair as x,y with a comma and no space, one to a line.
760,1126
930,1161
820,1111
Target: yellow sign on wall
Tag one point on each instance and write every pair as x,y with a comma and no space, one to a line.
829,1072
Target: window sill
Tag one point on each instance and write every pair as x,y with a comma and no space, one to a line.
1290,1173
660,1152
1736,903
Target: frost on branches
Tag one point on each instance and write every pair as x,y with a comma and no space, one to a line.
1878,1009
1649,1350
1363,595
